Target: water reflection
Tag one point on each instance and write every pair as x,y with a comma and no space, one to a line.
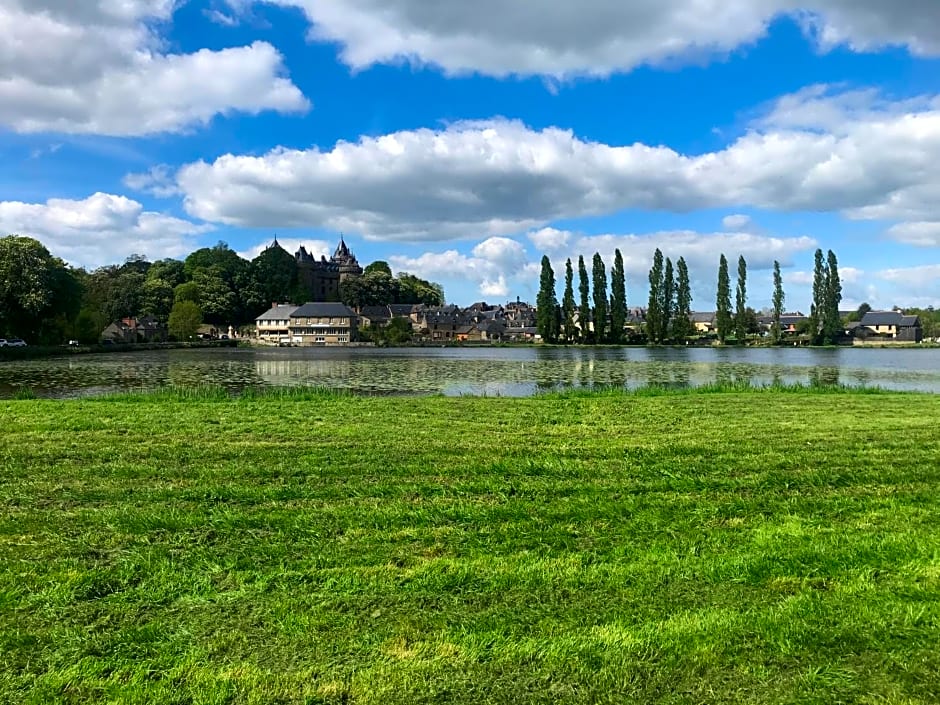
457,371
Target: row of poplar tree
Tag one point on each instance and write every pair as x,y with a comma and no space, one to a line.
668,316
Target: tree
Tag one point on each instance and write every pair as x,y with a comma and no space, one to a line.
654,315
723,300
567,302
547,303
185,319
274,276
169,270
378,266
34,287
599,287
778,300
832,325
817,312
156,298
584,311
414,290
740,301
667,301
618,299
682,326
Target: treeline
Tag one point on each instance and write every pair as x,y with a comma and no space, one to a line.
43,300
668,314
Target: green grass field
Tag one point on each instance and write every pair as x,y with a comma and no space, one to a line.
733,547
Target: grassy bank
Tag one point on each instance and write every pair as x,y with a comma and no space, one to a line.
729,547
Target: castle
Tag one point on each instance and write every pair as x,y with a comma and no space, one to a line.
321,277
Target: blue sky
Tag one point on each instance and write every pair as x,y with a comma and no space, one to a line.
461,141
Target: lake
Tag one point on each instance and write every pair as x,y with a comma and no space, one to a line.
480,371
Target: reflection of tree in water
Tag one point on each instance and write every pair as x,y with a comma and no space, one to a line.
824,376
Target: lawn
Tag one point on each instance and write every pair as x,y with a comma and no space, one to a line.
710,547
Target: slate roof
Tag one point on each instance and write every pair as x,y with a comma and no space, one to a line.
400,309
278,313
375,312
703,317
323,309
890,318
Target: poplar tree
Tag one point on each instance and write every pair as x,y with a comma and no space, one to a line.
778,299
723,301
653,312
546,314
584,312
618,299
817,312
567,302
599,281
667,302
832,326
682,321
740,302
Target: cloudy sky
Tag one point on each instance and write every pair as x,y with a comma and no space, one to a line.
461,141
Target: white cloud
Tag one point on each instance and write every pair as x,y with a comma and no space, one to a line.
99,67
317,248
559,38
499,177
737,223
101,229
912,286
549,239
495,265
157,181
920,234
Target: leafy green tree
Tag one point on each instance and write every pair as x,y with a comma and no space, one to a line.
584,309
274,276
185,319
723,319
114,292
654,314
817,313
599,289
188,291
567,303
667,303
740,300
778,300
414,290
34,286
832,324
546,316
217,300
169,270
682,326
156,298
618,299
378,266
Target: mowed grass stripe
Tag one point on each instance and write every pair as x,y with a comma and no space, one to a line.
764,547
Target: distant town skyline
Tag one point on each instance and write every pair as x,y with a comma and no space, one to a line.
461,142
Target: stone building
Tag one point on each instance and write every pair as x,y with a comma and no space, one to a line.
321,277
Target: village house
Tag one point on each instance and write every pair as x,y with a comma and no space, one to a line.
318,323
891,325
273,326
135,330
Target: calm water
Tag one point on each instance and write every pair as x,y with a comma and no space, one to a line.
456,371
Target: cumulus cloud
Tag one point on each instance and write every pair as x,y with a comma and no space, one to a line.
492,266
920,234
99,67
499,177
550,239
101,229
560,39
